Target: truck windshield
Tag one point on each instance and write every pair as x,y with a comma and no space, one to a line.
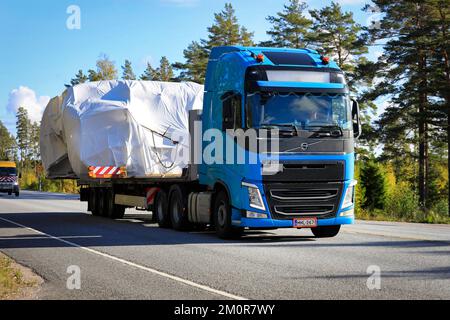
8,171
304,111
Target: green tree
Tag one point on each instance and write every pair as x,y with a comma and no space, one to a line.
106,70
7,144
23,126
80,77
127,71
149,74
374,184
194,68
165,70
290,27
93,76
337,34
225,31
407,70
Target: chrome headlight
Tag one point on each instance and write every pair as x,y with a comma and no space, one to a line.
349,197
254,196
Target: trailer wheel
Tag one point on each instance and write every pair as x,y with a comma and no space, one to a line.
178,209
222,218
326,231
112,210
161,209
93,202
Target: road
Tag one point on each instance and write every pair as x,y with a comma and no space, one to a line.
134,259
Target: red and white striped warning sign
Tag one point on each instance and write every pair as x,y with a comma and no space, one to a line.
106,172
8,179
151,194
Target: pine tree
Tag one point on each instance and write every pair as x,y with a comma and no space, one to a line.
23,126
290,27
93,75
374,183
407,28
225,31
149,74
165,70
7,144
439,24
127,71
338,35
80,77
194,68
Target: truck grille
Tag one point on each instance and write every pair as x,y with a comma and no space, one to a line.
294,200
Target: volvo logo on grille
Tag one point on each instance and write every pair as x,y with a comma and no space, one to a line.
304,146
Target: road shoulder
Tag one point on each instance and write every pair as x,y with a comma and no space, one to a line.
17,282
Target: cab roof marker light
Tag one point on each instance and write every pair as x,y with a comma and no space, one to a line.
325,60
258,57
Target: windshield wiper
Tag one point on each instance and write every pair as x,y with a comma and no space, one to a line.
279,126
332,131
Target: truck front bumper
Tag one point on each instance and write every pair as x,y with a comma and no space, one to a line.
341,219
9,187
270,223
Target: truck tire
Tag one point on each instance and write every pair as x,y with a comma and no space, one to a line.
100,194
178,208
161,210
9,193
93,202
222,218
112,210
17,194
326,231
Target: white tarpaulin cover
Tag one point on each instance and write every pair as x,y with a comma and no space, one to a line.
119,123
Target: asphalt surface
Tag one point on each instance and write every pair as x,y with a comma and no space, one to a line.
134,259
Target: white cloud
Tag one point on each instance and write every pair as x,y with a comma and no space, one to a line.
27,98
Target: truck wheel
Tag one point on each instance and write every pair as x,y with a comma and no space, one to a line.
101,202
9,193
222,218
178,209
161,210
112,210
326,231
17,194
93,202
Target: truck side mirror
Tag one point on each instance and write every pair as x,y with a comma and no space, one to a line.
356,120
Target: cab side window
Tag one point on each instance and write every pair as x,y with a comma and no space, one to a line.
232,111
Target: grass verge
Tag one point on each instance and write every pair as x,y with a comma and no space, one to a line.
17,282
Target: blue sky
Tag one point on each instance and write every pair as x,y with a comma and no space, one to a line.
39,53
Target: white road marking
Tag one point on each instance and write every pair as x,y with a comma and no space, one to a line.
132,264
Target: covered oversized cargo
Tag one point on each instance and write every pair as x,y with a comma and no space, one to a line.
142,125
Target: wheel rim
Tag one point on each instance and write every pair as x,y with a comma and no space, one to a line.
222,214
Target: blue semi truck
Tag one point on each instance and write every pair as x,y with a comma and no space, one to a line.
303,178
